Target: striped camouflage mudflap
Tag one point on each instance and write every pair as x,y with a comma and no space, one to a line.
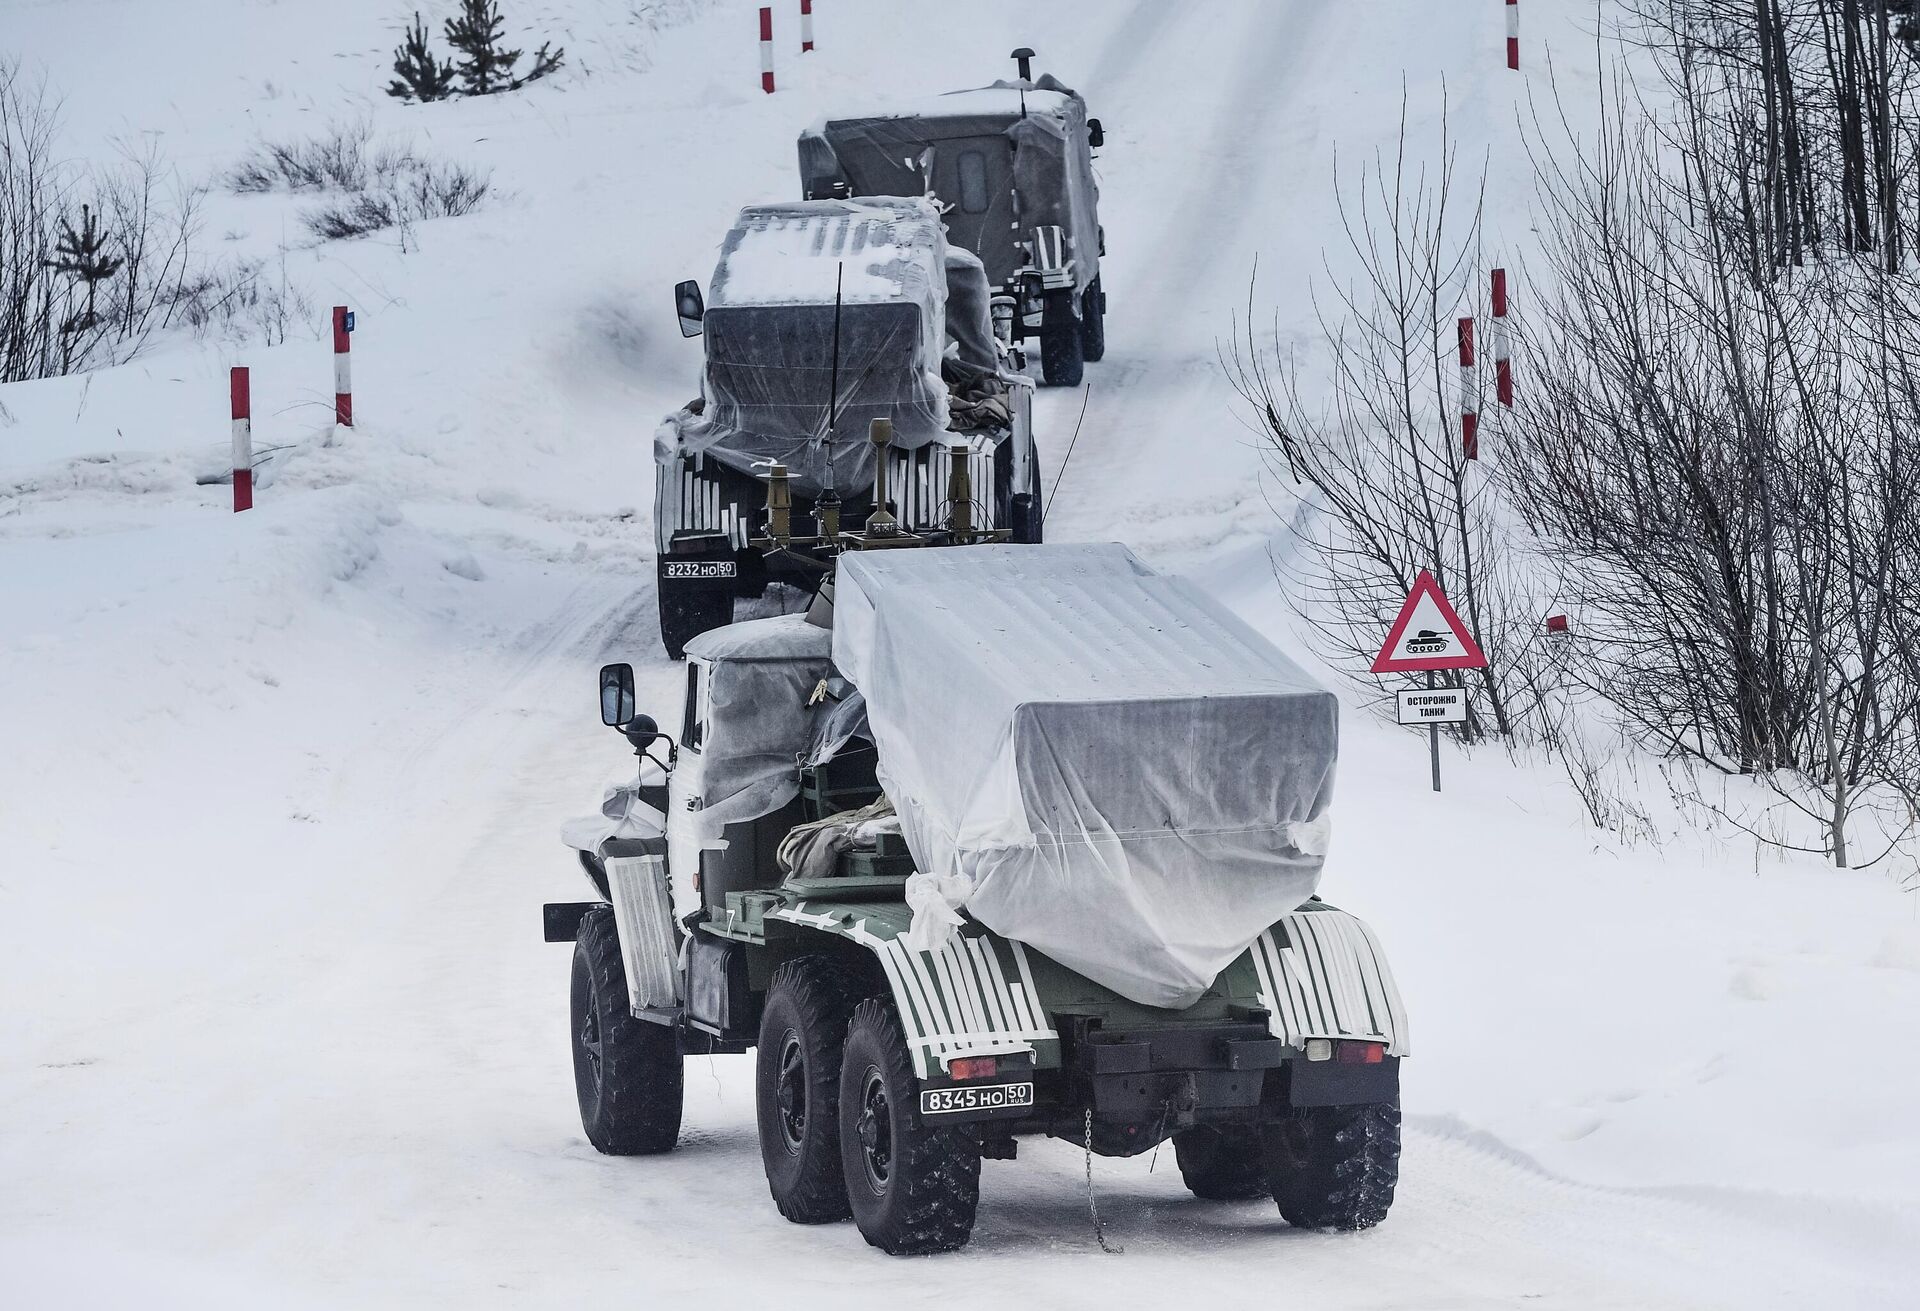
1322,975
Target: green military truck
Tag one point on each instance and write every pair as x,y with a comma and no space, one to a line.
1018,840
1011,166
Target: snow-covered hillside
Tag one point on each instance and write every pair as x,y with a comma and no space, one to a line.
280,793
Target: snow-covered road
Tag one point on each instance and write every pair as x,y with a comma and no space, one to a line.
280,795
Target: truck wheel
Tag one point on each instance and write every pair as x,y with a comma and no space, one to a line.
1093,323
1060,355
626,1071
1334,1167
913,1187
687,612
1221,1164
803,1031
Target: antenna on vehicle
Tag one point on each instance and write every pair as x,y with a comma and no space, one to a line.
828,503
1025,55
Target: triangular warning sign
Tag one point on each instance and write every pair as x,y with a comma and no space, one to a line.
1427,635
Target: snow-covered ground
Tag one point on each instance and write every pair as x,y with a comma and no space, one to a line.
279,793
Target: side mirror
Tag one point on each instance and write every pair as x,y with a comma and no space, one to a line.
1096,135
616,695
641,732
691,306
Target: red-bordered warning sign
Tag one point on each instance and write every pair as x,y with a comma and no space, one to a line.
1427,635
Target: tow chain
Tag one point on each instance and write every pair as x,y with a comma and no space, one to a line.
1093,1207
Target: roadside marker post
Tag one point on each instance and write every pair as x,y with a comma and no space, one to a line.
342,366
1469,402
806,26
1427,636
1502,342
766,49
239,392
1513,33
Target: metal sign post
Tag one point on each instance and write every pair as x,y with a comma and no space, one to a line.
1428,636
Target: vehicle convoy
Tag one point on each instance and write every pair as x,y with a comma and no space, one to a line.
1017,840
1012,167
821,317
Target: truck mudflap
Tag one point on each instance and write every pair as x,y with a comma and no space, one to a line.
973,997
1320,973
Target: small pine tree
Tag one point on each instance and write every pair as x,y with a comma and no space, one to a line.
422,74
544,61
82,255
486,66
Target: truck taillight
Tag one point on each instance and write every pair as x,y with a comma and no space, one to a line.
973,1067
1360,1053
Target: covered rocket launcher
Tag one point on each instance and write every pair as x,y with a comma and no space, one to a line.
1113,768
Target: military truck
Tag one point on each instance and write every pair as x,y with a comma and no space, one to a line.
821,317
1025,841
1012,167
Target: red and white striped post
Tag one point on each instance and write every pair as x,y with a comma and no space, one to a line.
1502,344
239,392
342,367
1469,403
766,49
1513,33
806,26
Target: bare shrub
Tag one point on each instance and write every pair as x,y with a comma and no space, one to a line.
424,191
242,302
343,158
376,186
95,259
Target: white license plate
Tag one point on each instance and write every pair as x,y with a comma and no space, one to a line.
702,569
987,1097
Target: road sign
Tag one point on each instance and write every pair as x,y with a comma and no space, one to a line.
1427,635
1436,705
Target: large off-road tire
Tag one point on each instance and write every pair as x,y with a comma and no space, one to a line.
686,612
1221,1163
913,1186
1093,323
1334,1167
1061,360
627,1072
803,1031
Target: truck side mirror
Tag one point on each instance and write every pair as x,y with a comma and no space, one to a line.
691,306
1096,135
616,695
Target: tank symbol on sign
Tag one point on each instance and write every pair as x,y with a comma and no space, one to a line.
1427,642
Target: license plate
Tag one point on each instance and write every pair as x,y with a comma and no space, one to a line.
988,1097
702,569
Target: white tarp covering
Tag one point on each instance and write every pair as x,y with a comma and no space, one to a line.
1127,777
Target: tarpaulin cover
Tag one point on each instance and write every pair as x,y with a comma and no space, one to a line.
1127,777
1002,160
755,725
770,339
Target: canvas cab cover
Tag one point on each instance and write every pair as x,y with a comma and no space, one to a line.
1002,160
770,388
1120,772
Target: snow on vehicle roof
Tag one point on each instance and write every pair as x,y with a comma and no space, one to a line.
775,638
879,249
999,100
